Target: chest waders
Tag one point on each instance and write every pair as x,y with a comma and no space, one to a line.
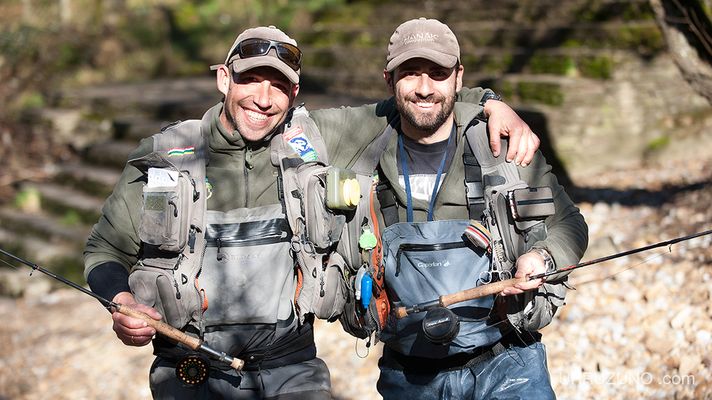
236,278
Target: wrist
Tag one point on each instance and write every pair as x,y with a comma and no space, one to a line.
548,259
124,298
488,95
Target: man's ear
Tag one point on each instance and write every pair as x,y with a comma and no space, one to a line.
294,93
222,79
388,77
460,73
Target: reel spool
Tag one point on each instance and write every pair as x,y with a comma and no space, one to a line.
441,325
192,370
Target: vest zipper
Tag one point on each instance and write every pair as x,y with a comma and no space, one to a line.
425,247
233,242
173,275
245,167
201,294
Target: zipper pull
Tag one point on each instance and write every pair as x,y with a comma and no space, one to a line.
175,284
191,239
219,255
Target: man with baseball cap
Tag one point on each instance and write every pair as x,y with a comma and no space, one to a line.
194,234
228,283
436,182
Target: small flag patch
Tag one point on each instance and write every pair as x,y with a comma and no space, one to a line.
181,151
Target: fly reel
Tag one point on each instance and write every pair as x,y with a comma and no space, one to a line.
192,370
441,325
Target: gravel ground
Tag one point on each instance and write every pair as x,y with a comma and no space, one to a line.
637,327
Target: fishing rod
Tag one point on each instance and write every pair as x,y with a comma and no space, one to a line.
161,327
496,287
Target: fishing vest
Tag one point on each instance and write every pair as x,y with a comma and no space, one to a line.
244,275
439,250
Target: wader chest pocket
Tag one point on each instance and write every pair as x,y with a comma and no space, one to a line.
414,247
165,216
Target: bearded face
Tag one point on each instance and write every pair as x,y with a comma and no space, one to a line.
425,94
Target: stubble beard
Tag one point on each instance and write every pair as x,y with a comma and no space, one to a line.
247,133
424,122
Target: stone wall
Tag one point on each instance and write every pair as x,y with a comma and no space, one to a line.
592,77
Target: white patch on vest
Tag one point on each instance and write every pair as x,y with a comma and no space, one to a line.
161,177
420,37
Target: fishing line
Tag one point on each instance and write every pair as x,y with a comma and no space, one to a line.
161,327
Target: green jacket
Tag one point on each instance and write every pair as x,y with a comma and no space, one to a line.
240,174
348,130
567,232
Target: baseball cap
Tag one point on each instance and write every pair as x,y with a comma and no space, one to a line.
270,59
423,38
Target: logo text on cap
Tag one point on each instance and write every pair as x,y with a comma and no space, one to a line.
420,37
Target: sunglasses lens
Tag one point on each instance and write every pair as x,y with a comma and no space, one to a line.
253,47
290,55
286,52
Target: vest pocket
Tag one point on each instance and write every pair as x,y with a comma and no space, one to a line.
153,283
165,216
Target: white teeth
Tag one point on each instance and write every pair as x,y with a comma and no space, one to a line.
425,105
255,116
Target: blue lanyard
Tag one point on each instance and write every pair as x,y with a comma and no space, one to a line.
406,178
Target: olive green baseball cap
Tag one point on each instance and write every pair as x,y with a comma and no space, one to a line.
423,38
270,59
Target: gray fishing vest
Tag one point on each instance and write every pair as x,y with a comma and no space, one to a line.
232,275
416,250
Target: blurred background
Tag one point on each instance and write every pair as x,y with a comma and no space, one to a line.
618,91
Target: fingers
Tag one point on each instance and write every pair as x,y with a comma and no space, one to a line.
528,264
150,311
132,331
515,139
522,146
494,138
533,146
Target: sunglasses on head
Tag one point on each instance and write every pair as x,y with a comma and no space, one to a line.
288,53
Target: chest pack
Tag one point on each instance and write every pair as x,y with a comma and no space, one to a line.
490,185
174,222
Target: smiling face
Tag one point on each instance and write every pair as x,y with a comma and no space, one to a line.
425,95
256,100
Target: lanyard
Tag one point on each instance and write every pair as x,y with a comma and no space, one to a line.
406,178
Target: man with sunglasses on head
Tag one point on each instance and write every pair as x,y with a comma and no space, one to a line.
195,234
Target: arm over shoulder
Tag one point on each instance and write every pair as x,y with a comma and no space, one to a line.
470,95
347,131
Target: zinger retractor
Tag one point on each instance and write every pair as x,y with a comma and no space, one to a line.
479,235
192,370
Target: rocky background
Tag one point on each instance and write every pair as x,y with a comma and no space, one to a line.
638,327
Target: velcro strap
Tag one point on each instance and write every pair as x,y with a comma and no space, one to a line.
474,188
387,200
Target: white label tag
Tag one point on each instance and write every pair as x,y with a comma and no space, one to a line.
160,177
